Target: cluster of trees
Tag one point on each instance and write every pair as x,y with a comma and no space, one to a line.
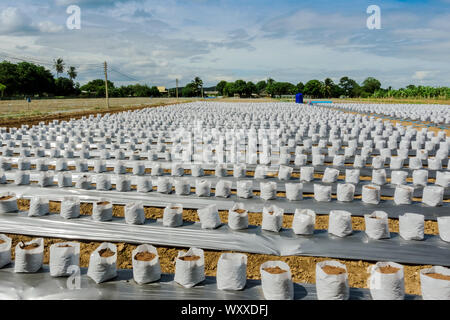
28,79
96,88
313,88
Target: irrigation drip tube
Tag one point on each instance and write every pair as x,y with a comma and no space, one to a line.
357,246
40,285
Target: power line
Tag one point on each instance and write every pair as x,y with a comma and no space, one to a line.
123,74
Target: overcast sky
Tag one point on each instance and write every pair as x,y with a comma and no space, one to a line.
156,42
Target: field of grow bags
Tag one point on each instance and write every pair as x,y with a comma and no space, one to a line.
287,197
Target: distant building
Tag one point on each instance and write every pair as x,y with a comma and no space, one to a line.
211,93
163,90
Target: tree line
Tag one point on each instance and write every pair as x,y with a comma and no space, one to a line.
28,79
346,87
25,79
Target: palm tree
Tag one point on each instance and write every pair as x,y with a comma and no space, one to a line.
72,73
198,83
59,65
327,87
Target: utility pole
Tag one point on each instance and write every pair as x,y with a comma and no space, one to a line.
177,88
106,84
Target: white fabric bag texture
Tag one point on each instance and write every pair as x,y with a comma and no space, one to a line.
432,288
322,193
123,183
244,189
411,226
396,163
39,206
345,192
83,182
197,170
134,213
415,163
340,223
173,215
272,218
99,166
403,195
231,271
5,250
260,172
22,178
318,160
202,188
27,257
338,161
144,184
294,191
300,160
306,174
330,175
284,172
371,194
276,285
209,217
70,207
156,169
331,286
138,169
385,282
398,177
239,170
62,256
100,268
420,177
352,176
433,196
223,188
144,270
238,217
220,170
102,210
359,162
444,228
304,221
182,187
377,225
379,176
8,202
177,170
188,273
102,182
163,185
378,162
442,179
268,190
45,179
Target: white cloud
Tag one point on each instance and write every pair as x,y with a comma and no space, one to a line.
49,27
422,75
13,20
